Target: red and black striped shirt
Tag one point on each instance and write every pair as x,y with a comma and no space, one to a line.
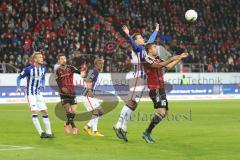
64,78
155,78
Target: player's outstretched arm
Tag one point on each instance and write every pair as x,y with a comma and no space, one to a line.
164,63
154,34
136,48
174,63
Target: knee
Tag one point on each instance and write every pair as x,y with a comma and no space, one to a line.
132,104
34,112
98,112
45,112
162,112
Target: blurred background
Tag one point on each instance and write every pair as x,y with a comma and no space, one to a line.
83,29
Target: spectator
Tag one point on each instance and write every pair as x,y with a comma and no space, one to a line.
70,26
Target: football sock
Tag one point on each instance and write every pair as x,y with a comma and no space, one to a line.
123,120
91,122
155,120
71,120
47,124
37,123
95,124
126,119
68,118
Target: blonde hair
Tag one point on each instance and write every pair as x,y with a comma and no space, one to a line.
35,54
98,60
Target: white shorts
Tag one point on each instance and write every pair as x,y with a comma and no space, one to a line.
137,86
90,103
36,102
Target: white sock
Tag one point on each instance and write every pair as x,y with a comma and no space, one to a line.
91,122
47,124
125,110
95,124
37,123
126,119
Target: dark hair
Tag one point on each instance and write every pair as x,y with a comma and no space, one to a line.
148,46
60,55
134,36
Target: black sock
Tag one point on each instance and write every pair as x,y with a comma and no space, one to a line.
72,120
68,118
155,120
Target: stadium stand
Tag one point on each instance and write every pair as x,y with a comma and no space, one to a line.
82,29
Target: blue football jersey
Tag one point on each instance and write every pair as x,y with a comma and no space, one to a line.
35,79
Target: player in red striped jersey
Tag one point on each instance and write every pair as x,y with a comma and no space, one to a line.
64,78
136,80
154,69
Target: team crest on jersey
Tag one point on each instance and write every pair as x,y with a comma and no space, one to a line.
149,59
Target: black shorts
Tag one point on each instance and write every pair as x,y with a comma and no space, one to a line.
68,99
159,98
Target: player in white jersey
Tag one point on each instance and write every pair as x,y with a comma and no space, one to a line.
137,80
35,74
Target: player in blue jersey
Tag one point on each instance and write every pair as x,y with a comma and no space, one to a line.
92,104
137,80
35,75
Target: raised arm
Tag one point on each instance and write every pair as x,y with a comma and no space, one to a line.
136,48
154,35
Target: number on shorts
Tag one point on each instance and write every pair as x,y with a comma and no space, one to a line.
163,102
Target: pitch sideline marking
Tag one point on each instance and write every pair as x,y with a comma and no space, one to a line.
12,148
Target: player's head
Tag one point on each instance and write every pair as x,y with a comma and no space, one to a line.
37,57
151,49
99,63
62,59
137,37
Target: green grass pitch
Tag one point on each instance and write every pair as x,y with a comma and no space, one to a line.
194,130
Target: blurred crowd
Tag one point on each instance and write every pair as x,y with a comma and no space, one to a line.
84,29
